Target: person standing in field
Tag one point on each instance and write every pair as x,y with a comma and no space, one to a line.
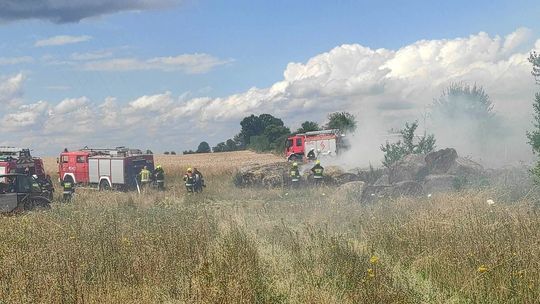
159,177
189,180
318,172
198,180
295,175
68,190
144,177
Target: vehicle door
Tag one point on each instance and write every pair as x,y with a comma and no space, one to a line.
8,196
64,164
24,187
299,145
81,163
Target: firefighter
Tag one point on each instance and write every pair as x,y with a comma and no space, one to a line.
68,190
311,154
318,172
198,180
189,180
295,175
159,177
144,176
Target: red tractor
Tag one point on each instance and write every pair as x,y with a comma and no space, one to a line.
17,160
105,168
313,145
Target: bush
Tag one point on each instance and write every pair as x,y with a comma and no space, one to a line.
396,151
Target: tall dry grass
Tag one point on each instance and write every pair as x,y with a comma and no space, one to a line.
270,246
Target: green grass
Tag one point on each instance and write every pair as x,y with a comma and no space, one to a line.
271,246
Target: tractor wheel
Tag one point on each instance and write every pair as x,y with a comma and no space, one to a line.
104,185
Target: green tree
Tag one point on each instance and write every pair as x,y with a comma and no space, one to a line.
203,147
231,145
343,121
468,110
276,135
220,147
260,143
534,59
308,126
261,133
255,126
393,152
534,135
463,100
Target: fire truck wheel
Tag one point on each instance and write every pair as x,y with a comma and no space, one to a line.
104,185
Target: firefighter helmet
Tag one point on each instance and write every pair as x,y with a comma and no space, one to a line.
318,162
295,164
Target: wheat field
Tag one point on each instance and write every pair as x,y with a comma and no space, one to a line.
230,245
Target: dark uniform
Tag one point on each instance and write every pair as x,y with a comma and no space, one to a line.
295,175
198,180
318,172
159,176
68,191
311,155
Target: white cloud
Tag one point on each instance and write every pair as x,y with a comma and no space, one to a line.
61,40
382,87
26,117
188,63
70,105
91,55
15,60
11,90
158,102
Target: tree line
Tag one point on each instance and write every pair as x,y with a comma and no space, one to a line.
267,133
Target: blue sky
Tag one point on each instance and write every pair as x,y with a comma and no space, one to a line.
243,44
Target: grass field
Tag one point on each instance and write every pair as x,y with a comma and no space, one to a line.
270,246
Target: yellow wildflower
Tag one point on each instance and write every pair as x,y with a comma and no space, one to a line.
374,260
371,273
482,268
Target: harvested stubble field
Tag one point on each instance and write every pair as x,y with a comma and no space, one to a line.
270,246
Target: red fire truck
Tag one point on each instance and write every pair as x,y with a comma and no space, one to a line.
313,145
16,160
105,168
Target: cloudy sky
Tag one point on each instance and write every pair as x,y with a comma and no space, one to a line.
166,74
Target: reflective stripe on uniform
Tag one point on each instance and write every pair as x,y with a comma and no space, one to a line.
295,180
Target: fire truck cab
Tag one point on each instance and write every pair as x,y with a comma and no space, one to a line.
104,168
323,143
